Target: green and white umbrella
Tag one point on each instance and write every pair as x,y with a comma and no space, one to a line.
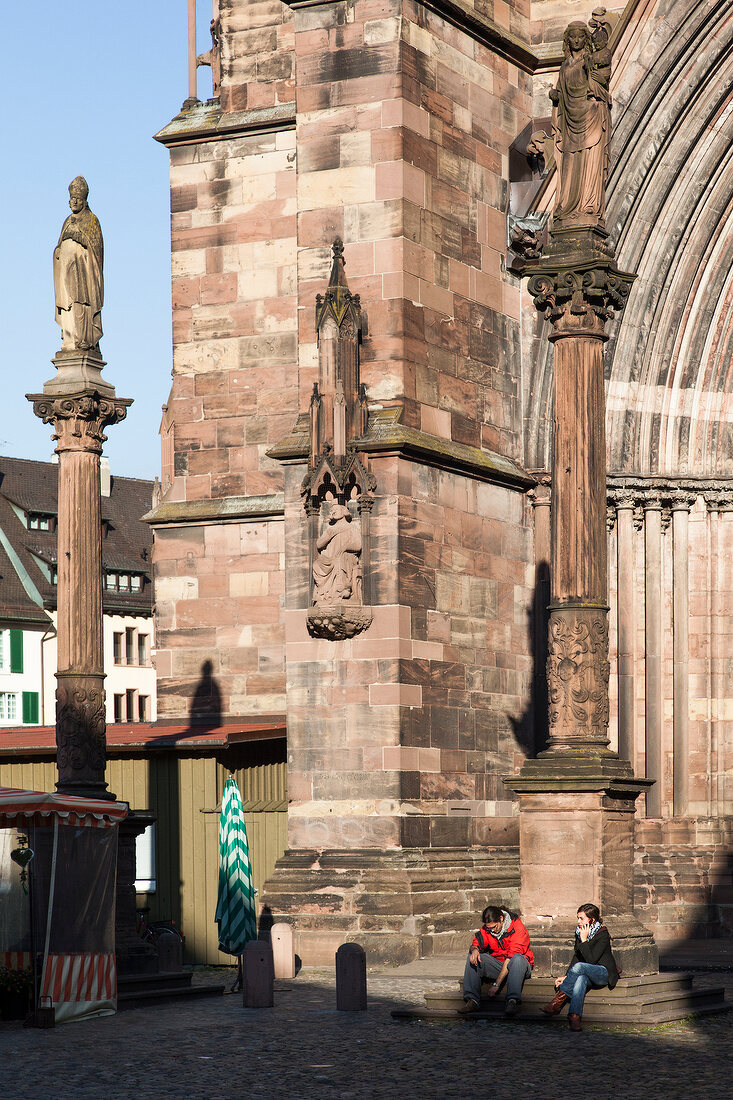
235,907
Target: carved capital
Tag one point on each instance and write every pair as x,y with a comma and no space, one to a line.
680,501
79,420
80,733
577,675
578,296
622,498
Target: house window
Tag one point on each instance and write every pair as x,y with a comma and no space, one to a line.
38,521
143,708
130,700
117,647
142,649
8,706
30,708
145,881
123,582
119,706
130,645
11,650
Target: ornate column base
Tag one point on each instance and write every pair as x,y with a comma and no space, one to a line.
80,735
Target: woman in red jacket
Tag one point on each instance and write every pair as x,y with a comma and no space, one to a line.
591,967
500,950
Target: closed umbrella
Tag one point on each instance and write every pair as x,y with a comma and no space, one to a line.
235,907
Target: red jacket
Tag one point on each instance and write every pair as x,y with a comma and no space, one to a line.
515,941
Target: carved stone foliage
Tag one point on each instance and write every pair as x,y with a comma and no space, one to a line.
79,420
80,731
579,297
338,534
577,675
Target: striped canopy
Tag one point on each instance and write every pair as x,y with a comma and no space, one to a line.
235,908
70,809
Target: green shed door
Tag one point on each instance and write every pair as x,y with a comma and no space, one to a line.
16,650
30,708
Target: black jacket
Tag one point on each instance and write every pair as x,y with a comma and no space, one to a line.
597,951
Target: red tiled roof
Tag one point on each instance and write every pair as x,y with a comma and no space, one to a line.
41,740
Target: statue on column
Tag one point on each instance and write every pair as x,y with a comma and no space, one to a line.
582,125
77,274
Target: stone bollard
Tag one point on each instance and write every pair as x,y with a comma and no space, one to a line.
170,952
283,952
258,975
351,994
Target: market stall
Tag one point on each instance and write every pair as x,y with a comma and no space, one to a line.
58,858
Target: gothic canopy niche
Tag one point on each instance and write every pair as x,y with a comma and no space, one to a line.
669,365
337,489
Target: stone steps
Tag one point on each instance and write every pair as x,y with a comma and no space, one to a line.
651,999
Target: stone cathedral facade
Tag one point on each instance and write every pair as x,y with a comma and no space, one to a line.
353,524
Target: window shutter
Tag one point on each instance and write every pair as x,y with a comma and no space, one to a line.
30,708
16,650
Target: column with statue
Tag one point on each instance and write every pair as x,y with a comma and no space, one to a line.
79,403
577,798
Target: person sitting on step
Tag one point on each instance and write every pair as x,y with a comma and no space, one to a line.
500,951
591,967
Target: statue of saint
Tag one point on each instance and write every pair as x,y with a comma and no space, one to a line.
337,569
582,127
77,274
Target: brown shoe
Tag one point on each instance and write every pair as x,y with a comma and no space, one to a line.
574,1021
556,1005
468,1007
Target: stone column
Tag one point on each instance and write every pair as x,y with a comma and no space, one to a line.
681,503
654,690
80,405
576,800
626,619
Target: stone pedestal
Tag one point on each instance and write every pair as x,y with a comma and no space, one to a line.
577,843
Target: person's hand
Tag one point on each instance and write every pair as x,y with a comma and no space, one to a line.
474,956
493,990
583,926
558,983
583,933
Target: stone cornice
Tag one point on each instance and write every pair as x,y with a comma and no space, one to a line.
184,513
207,122
642,484
385,435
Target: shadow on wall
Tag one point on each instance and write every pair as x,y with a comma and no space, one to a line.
531,728
205,709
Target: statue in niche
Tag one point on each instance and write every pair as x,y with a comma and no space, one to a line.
337,568
582,125
77,274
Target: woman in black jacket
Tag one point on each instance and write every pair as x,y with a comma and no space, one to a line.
591,967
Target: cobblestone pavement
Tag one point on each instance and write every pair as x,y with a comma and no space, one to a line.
304,1048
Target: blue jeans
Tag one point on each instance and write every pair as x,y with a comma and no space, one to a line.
579,979
489,967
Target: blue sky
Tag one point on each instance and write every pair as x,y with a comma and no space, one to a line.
86,87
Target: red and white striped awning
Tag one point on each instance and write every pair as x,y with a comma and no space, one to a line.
15,803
